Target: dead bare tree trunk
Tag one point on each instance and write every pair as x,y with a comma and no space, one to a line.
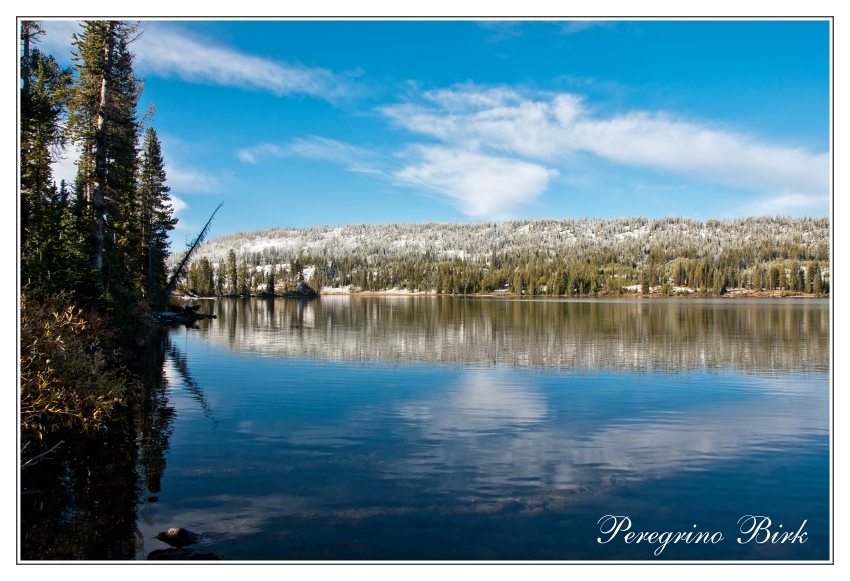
99,185
181,268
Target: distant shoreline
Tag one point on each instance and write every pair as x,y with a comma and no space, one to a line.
734,294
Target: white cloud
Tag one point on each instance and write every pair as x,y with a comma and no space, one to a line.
164,49
573,26
550,127
480,185
354,158
327,149
789,204
177,204
58,37
188,180
178,176
169,51
658,142
252,154
65,167
183,176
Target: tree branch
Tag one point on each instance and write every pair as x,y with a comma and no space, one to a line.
36,459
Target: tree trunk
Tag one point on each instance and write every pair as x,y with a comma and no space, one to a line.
99,195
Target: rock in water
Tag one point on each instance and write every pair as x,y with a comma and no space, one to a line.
183,555
178,537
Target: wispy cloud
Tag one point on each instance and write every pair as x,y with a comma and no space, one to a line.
574,26
787,203
551,127
177,204
481,186
501,29
329,150
255,153
356,159
169,51
189,180
182,173
58,37
179,176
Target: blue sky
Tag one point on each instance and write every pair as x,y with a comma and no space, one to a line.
299,123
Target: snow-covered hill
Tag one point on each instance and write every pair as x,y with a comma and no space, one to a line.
476,241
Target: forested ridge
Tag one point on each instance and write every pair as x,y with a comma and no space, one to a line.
532,257
92,253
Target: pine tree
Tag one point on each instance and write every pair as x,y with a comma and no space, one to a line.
44,209
155,217
204,277
810,278
270,282
242,276
773,278
104,126
232,276
191,278
644,281
220,283
817,283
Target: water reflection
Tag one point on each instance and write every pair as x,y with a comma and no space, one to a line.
570,433
482,403
323,429
176,361
351,457
84,503
758,336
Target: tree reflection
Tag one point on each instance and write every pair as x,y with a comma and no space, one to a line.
83,503
178,360
628,335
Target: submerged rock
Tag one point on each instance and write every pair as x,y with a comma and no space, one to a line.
178,537
183,555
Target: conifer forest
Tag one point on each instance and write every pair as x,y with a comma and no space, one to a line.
532,257
92,252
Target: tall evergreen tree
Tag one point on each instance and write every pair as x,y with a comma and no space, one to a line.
270,281
242,276
105,127
644,281
43,104
44,95
232,277
155,217
220,280
817,282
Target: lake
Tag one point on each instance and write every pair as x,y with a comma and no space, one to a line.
447,428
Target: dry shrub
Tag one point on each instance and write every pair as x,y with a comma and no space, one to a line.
67,380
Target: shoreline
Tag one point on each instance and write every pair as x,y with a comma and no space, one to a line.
734,294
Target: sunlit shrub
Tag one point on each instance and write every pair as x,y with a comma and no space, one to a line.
67,381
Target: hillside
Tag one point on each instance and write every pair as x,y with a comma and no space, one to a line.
393,255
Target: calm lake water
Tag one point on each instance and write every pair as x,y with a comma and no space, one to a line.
447,428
